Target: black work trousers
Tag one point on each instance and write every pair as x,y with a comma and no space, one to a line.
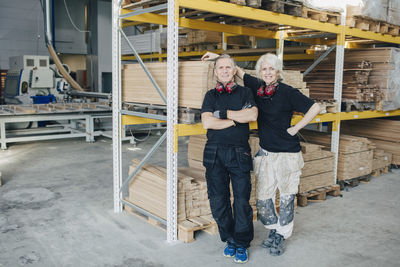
224,164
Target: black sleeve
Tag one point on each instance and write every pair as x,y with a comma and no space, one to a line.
248,99
251,82
208,103
300,102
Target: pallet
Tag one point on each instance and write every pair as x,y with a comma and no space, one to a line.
394,166
317,195
322,16
328,106
288,7
349,106
238,2
354,181
132,4
367,24
186,229
380,171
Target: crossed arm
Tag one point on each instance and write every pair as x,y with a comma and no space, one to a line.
243,116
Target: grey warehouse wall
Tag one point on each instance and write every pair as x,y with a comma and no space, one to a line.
21,30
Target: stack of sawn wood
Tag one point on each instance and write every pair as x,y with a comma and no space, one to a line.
355,153
195,79
384,133
370,75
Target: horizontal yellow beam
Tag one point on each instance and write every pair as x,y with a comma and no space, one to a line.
371,35
134,120
131,23
258,15
203,25
287,57
368,114
197,129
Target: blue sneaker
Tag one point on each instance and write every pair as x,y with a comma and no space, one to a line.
241,255
229,250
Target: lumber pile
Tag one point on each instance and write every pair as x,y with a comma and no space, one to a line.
355,153
148,190
381,159
194,37
318,167
369,75
382,132
195,79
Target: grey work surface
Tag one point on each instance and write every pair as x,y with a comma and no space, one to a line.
56,209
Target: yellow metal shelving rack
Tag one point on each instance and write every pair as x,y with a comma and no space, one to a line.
224,8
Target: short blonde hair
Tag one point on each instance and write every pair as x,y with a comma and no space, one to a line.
271,59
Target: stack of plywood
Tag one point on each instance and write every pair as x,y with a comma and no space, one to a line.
381,159
195,151
370,75
355,153
194,37
382,132
195,79
318,168
148,190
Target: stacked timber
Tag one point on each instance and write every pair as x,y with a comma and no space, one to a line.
370,75
195,151
381,160
318,167
194,37
355,153
195,79
383,133
149,191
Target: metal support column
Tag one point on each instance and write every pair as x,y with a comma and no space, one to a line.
116,105
281,44
3,135
338,97
172,120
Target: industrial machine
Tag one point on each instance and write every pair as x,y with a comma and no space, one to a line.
31,79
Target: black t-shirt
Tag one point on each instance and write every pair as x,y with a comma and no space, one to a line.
275,114
239,99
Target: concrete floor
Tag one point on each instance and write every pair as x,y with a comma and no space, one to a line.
56,209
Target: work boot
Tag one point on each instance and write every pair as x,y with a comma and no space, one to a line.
267,243
230,249
278,246
241,255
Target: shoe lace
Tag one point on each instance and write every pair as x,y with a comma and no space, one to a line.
241,250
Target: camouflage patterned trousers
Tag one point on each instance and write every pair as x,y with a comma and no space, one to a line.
277,171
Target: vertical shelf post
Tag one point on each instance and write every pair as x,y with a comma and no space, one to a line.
338,97
172,120
116,105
